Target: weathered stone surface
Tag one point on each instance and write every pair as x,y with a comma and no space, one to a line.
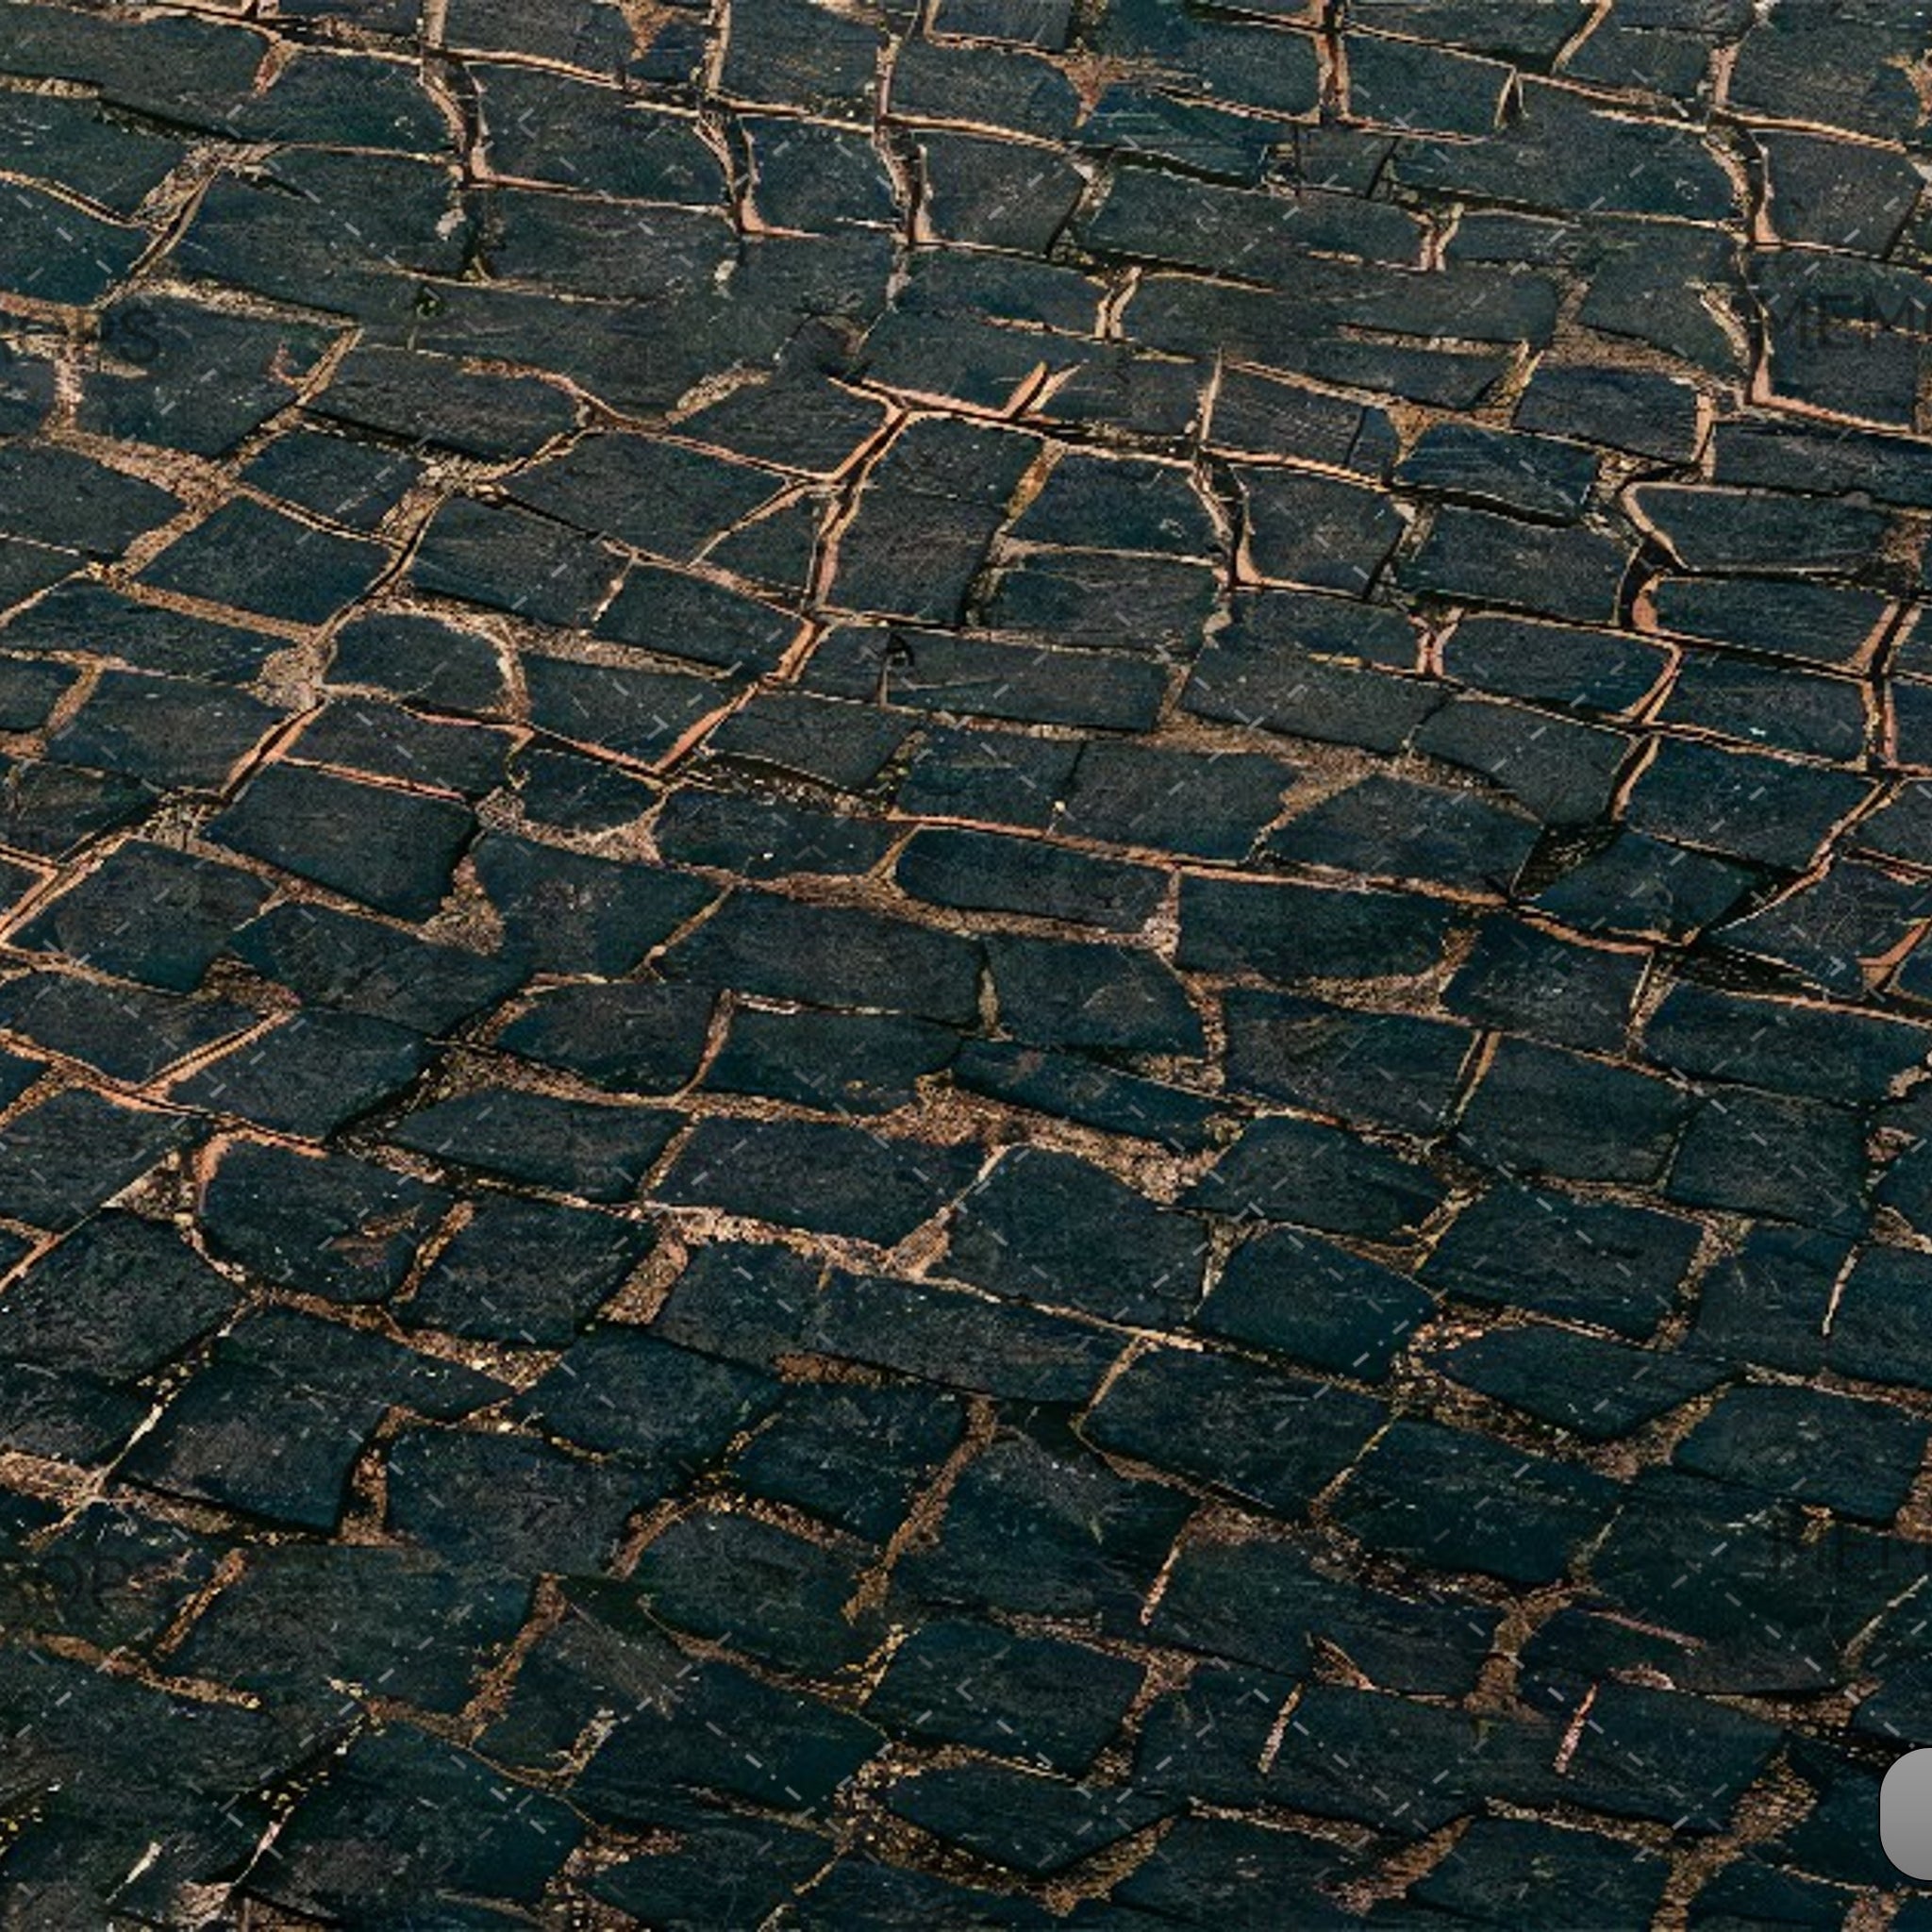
389,848
963,966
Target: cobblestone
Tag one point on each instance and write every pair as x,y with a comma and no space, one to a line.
963,966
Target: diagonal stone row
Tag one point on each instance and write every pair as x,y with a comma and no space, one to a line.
964,966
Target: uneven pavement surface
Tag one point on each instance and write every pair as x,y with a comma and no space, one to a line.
964,966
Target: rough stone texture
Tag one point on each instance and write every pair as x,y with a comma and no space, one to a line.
963,966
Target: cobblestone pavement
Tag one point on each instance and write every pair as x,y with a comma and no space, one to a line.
964,966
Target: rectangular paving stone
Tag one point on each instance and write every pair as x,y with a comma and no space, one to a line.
925,516
526,1271
1750,807
49,809
1452,1500
169,732
1100,601
756,835
1781,708
1048,1531
1646,888
115,1300
853,1458
326,1224
1655,1754
506,559
1385,1761
714,1576
1052,1703
1544,663
1425,89
1003,778
29,690
1320,1177
129,1032
143,636
936,671
1283,687
1878,1332
1077,1090
596,1152
636,1037
336,959
1857,1457
1784,456
1563,772
1523,979
1829,624
1767,1303
1539,1110
1050,1228
1712,530
680,615
508,1502
255,558
72,143
1265,1602
802,1174
644,715
1394,1070
1264,1436
668,1410
1107,504
965,1340
546,126
997,193
831,955
688,1737
562,790
843,745
336,478
1064,994
1259,415
1535,477
427,399
57,496
1477,556
309,1076
202,378
1598,1261
1645,413
56,252
566,913
838,1062
1392,828
1762,1153
344,230
392,849
1027,1824
1298,1295
1151,215
149,913
300,1616
982,872
1827,1053
1289,931
1599,1389
1305,528
387,741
